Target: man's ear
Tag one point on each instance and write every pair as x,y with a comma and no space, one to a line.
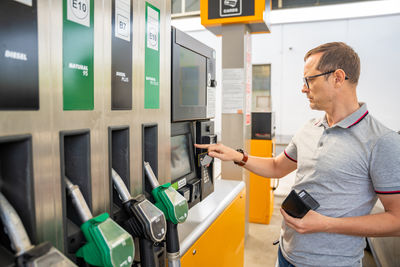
339,77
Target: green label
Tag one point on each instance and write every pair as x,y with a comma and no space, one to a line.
78,92
175,186
152,58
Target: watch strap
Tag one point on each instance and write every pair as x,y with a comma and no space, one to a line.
244,159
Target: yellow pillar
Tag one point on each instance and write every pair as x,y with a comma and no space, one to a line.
261,197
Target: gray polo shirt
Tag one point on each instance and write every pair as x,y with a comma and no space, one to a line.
343,167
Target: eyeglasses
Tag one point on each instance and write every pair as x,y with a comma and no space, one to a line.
305,79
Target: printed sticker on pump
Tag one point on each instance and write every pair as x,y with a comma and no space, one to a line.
78,11
181,183
152,28
211,100
25,2
123,19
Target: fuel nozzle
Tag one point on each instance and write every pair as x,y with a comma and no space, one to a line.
108,244
78,201
173,204
26,253
120,186
149,220
175,208
143,220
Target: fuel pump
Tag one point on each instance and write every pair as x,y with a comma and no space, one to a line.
175,208
143,220
108,244
26,253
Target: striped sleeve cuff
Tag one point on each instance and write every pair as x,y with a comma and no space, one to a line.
292,159
387,192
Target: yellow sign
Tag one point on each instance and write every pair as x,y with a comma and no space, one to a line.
218,12
215,13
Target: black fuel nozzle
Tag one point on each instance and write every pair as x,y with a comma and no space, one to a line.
27,254
173,249
144,220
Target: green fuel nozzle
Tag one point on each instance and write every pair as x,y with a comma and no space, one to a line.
108,244
173,204
26,254
175,208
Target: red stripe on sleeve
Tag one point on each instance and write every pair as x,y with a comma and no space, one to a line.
284,151
387,192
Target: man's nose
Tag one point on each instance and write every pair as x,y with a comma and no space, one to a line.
305,89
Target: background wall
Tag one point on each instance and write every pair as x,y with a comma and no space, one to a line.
375,39
371,28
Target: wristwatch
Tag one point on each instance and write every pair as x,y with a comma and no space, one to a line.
244,159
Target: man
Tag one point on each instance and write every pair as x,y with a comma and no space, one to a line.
345,160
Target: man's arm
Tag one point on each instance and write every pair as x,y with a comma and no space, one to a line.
267,167
386,223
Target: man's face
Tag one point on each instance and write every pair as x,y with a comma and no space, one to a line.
320,91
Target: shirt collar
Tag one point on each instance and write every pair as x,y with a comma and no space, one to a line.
349,121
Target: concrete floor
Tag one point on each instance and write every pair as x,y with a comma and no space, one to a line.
258,248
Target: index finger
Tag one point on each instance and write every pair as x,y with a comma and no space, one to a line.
202,146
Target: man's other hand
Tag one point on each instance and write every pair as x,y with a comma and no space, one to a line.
312,222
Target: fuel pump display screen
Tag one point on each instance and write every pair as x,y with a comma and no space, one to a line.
180,159
192,78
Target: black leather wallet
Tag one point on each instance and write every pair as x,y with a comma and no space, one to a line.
297,205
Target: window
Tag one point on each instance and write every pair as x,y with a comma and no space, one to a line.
176,6
279,4
192,5
261,92
185,8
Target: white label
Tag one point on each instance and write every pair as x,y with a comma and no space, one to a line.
152,80
25,2
79,11
83,68
15,55
152,28
228,8
181,183
123,76
211,97
206,179
233,90
123,19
